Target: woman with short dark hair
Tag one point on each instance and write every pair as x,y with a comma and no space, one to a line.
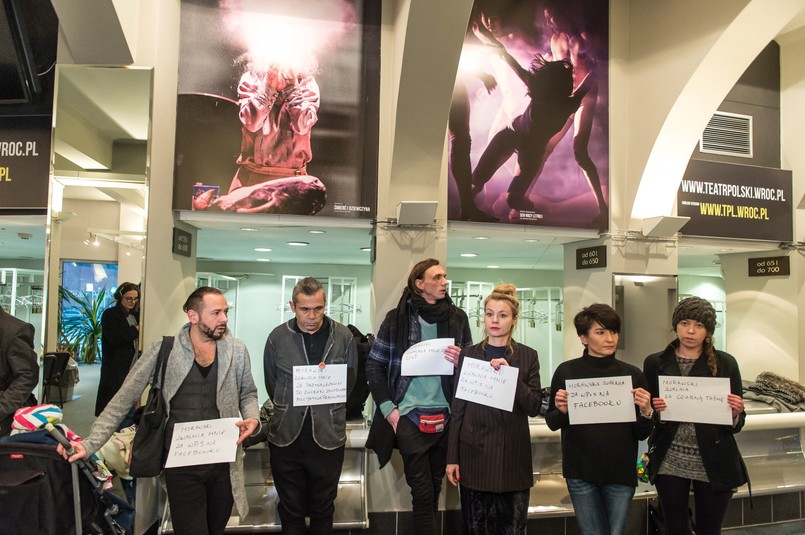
598,460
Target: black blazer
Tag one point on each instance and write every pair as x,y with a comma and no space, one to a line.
722,460
117,343
19,369
491,446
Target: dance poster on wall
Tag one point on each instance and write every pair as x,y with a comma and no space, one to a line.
528,122
277,110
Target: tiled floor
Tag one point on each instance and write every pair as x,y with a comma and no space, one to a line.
786,528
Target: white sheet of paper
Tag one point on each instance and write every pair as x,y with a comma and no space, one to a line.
427,358
701,400
600,400
481,383
203,442
319,386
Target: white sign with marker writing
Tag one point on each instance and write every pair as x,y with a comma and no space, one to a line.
481,383
313,385
701,400
600,400
203,442
427,358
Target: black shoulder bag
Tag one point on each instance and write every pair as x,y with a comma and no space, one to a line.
149,441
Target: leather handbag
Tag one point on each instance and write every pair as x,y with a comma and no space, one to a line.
148,448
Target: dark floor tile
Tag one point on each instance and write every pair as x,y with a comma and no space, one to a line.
734,515
452,522
638,517
785,507
759,513
405,522
381,524
546,526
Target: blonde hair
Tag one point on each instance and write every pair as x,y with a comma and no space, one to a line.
506,294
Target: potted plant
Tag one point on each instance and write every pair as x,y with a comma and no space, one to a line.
80,323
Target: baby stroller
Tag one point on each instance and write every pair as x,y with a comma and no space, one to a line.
41,493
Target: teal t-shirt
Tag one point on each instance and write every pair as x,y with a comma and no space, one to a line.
425,391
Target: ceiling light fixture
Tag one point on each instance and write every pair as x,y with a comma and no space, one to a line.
248,229
316,232
96,243
366,249
480,238
532,240
469,255
264,260
298,243
493,267
262,249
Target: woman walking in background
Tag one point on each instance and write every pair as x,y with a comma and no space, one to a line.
120,334
704,456
489,449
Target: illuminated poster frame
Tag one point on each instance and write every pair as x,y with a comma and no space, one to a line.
277,109
529,140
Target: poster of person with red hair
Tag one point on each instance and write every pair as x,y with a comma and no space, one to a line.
277,107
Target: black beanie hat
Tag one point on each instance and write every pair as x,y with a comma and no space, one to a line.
697,309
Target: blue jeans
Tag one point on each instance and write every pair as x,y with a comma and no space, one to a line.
601,509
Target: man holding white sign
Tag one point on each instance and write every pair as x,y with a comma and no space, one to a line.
413,411
598,459
310,364
207,377
695,450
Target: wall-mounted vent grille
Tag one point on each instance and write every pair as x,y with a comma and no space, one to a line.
728,134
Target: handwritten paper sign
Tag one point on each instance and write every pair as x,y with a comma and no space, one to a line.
600,400
203,442
481,383
701,400
319,386
427,358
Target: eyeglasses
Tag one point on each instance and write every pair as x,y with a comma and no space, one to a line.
131,299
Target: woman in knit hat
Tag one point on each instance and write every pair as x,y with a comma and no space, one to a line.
685,454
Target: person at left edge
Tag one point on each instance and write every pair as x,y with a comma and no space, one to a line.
19,370
306,441
208,376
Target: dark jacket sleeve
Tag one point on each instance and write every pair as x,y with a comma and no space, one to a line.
555,418
528,393
736,385
270,367
378,361
642,426
457,408
19,371
352,360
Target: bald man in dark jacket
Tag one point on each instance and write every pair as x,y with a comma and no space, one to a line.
19,369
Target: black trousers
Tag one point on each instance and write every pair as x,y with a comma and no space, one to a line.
306,477
200,498
424,458
710,506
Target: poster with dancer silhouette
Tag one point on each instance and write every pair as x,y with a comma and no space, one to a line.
277,107
528,125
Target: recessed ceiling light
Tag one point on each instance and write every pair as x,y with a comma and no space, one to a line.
316,232
262,249
366,248
480,238
469,255
532,240
298,243
263,260
248,229
493,267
